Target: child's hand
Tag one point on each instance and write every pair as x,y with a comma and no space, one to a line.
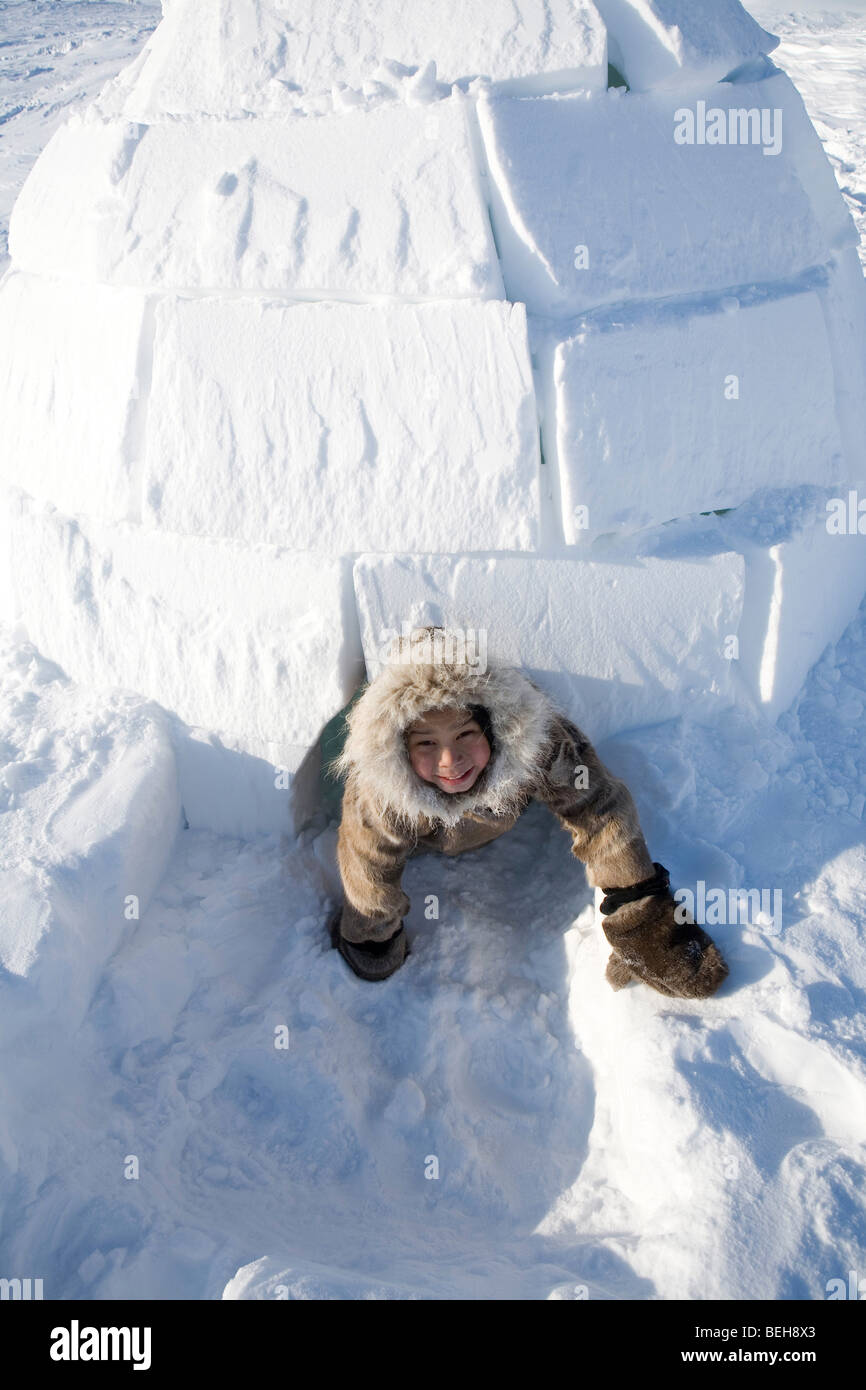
676,958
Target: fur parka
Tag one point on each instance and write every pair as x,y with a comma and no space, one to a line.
389,812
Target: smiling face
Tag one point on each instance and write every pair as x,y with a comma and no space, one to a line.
449,749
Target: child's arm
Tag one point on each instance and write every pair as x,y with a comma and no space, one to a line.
371,852
598,809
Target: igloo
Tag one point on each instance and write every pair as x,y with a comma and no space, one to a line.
327,320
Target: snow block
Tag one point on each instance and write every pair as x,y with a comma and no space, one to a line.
381,202
662,42
800,596
254,644
594,200
359,426
618,645
230,790
660,411
87,835
236,57
69,389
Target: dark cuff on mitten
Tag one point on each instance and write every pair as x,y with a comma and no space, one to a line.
657,884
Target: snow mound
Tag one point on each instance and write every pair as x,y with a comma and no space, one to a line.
90,809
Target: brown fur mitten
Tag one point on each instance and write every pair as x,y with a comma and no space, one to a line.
677,959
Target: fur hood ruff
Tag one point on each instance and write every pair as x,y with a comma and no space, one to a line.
375,755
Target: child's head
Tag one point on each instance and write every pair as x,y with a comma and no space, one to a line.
449,748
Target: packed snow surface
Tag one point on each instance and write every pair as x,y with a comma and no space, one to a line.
204,1102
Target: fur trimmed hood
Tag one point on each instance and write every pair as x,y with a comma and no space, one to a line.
413,681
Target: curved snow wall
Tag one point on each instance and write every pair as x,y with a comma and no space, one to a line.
315,330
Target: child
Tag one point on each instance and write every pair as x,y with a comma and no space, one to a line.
441,755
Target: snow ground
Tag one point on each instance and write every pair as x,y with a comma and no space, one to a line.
825,55
623,1144
55,56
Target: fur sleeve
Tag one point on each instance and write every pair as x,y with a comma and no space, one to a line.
596,807
372,849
